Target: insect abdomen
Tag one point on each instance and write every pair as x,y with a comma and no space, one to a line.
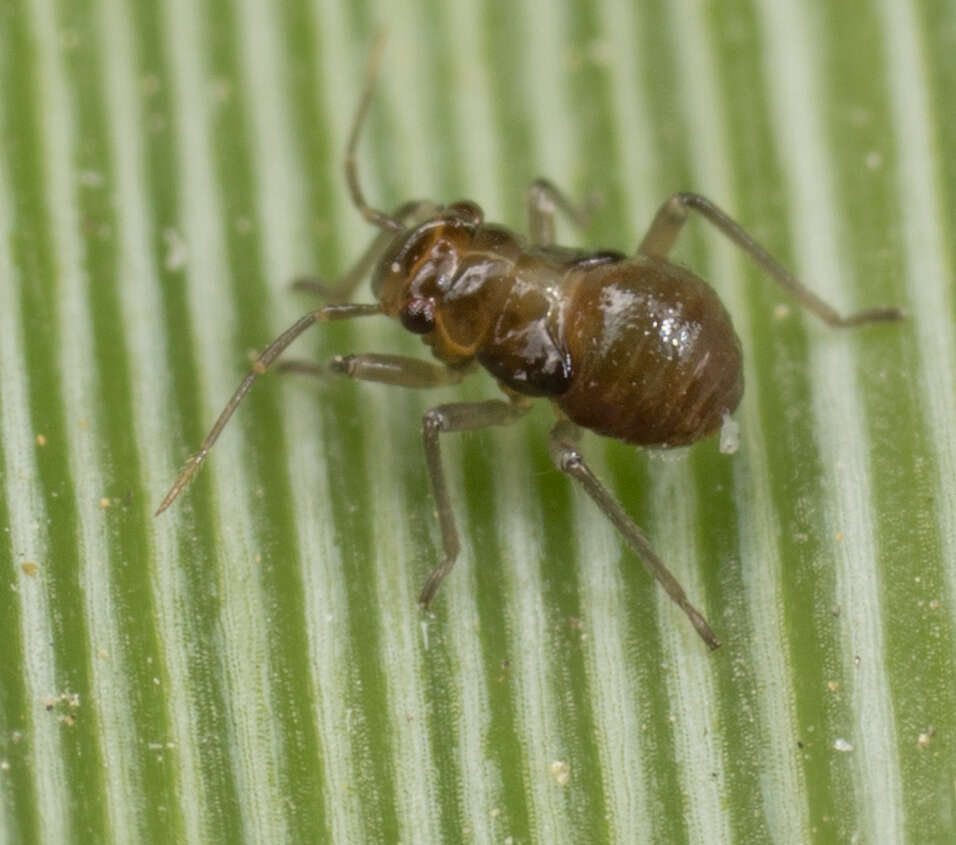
654,357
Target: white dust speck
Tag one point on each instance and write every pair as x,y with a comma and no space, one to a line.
561,772
729,435
176,252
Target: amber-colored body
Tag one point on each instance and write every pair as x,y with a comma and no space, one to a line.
635,348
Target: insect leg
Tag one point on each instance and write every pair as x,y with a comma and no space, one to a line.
409,213
563,449
342,289
459,416
667,225
384,369
301,366
543,200
394,369
259,366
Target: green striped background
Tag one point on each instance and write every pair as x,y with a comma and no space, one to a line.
252,665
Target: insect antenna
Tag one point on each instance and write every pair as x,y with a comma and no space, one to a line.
259,366
372,215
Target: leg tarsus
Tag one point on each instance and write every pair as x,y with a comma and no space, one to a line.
301,366
566,457
315,286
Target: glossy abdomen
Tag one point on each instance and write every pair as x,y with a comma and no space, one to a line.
653,355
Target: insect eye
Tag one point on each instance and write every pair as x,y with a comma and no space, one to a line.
418,316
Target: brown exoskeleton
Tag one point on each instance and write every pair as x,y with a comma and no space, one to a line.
635,348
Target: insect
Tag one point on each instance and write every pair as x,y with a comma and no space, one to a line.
632,347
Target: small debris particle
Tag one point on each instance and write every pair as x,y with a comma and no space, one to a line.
934,604
494,812
729,436
176,253
561,772
41,440
781,311
63,704
91,178
150,85
30,568
857,661
835,610
833,686
70,39
924,739
5,765
841,744
873,160
839,536
576,624
221,89
104,503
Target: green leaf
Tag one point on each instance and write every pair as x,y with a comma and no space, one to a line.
251,665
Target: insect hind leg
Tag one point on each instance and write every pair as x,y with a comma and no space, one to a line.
671,217
566,457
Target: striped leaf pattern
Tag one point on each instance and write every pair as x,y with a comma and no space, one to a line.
251,666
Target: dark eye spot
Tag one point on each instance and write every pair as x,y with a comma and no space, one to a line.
418,316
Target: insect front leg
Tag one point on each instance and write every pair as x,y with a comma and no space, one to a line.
563,449
543,200
343,289
458,416
409,214
671,217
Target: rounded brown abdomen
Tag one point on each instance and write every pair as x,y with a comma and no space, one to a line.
654,357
